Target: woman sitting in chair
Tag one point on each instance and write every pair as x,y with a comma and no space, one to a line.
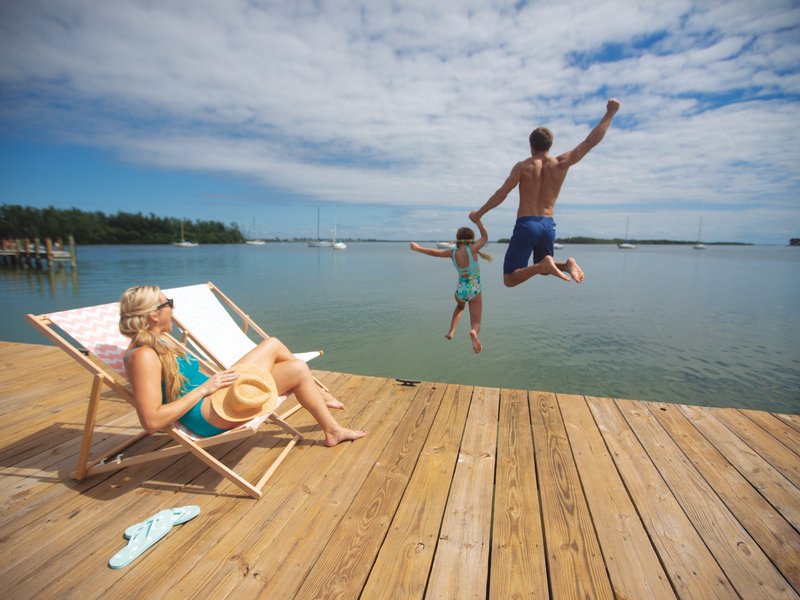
168,385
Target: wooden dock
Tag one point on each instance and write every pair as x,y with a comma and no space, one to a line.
32,254
457,492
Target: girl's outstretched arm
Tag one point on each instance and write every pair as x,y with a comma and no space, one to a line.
429,251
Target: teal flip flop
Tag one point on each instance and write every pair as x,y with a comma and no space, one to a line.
152,530
180,515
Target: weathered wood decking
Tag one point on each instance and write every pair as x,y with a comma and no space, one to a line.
457,492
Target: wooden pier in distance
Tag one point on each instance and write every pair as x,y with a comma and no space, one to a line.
31,253
457,492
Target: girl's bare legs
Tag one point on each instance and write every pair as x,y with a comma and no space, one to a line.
475,309
457,312
272,351
295,377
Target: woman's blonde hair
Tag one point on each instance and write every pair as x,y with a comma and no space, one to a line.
135,305
465,236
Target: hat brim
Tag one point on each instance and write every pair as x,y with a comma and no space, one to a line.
222,408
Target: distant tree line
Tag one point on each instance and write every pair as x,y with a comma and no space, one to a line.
98,228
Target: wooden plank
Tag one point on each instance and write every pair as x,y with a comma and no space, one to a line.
406,556
777,538
773,451
792,420
575,561
182,545
461,564
769,482
56,535
49,547
229,548
324,511
632,563
343,566
693,571
746,566
518,565
780,430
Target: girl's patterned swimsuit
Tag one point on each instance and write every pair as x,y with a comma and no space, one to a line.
469,278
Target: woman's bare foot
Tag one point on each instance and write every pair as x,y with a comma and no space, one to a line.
573,269
449,335
550,268
342,435
476,343
330,401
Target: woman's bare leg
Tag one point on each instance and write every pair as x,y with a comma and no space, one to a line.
272,351
295,377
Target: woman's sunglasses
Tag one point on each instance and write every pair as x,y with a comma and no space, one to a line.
169,303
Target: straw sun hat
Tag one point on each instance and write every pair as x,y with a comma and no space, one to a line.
252,395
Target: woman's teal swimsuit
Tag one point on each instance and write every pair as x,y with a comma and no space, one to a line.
189,367
469,278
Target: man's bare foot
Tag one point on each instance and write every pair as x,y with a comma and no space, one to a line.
330,401
476,343
573,269
342,435
551,269
449,335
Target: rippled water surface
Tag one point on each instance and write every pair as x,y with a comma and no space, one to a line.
716,327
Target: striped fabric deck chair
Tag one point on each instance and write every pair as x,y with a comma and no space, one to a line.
91,336
205,317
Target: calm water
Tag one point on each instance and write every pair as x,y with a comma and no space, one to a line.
719,327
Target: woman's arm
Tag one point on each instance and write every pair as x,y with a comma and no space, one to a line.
430,251
144,371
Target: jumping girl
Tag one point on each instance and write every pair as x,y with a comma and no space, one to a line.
465,259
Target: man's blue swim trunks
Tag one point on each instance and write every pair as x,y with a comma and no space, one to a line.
531,235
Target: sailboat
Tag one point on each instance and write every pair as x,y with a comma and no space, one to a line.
626,245
183,243
318,243
337,245
699,245
253,242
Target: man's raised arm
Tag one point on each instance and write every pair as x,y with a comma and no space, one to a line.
595,136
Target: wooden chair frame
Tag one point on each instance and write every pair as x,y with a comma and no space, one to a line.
189,336
185,442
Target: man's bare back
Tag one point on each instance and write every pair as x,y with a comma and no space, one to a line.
540,178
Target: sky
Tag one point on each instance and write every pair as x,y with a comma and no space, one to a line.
395,119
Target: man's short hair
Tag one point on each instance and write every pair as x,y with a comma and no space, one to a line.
541,139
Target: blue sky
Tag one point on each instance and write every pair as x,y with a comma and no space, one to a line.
402,117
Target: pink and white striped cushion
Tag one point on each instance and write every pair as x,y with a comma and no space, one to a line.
96,328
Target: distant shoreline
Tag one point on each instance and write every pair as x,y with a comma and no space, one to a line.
581,241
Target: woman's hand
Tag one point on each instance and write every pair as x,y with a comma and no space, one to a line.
219,380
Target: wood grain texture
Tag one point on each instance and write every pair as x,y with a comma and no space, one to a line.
455,492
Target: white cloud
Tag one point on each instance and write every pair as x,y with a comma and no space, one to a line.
413,104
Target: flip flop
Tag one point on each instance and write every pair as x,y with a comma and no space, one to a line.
180,515
153,529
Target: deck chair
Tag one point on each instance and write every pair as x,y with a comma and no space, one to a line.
209,328
91,336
